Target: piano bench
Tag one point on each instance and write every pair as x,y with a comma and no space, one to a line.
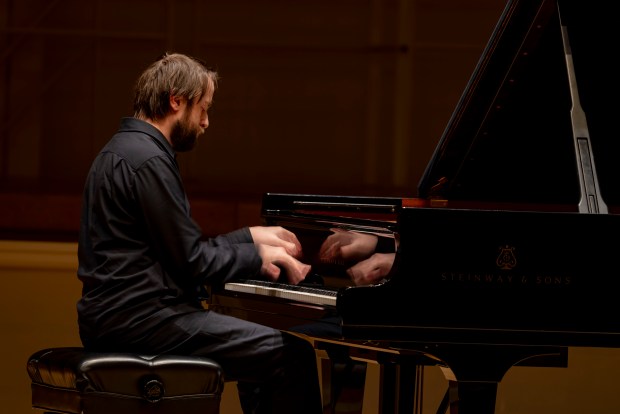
71,380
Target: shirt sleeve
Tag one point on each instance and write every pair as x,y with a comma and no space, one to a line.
177,239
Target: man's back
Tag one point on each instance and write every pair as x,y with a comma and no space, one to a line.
124,282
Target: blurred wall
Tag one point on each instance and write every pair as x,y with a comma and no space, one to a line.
316,96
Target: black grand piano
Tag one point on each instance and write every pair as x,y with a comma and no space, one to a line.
507,253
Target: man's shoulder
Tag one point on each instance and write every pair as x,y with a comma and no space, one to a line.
136,147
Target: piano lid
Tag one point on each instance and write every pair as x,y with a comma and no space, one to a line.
510,137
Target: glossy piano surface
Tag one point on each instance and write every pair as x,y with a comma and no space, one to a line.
510,138
494,277
510,259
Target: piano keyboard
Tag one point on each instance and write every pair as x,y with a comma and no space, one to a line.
300,293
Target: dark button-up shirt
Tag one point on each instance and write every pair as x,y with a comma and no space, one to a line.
141,256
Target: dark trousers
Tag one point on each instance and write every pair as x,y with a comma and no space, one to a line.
276,372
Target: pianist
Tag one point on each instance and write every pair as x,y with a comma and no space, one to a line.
142,262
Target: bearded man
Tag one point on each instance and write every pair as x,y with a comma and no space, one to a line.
143,261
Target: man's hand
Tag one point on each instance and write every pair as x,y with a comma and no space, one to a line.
277,259
277,236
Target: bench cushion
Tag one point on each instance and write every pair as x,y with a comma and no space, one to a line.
72,380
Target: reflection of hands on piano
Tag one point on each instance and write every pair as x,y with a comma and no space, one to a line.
343,245
371,270
276,259
277,236
349,246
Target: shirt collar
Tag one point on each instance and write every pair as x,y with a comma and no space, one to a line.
130,124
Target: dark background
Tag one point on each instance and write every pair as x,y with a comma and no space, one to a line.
316,96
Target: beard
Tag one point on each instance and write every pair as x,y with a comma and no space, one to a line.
183,135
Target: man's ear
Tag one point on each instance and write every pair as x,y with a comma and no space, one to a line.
175,102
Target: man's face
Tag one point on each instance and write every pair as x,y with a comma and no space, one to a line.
193,123
185,132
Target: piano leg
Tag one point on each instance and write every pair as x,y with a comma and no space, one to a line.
472,397
400,387
343,379
343,384
326,383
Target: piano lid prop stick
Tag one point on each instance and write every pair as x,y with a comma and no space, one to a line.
591,200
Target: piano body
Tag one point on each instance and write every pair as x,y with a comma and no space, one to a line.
506,255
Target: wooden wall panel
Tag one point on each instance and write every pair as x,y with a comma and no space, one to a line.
323,96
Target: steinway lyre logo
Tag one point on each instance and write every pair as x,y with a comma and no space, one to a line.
506,259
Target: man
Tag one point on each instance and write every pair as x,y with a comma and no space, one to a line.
143,263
